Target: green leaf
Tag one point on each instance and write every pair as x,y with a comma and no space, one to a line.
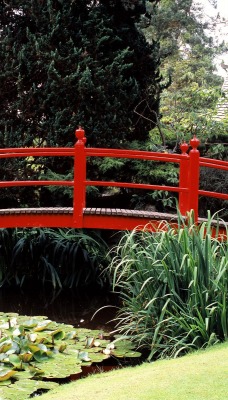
58,334
6,374
83,356
42,326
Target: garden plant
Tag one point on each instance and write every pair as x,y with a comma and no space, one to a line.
174,287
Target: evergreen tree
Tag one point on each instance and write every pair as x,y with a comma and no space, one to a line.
70,63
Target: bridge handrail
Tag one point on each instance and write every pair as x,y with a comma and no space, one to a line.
189,162
136,186
36,152
212,163
133,154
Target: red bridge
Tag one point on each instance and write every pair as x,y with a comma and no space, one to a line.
79,216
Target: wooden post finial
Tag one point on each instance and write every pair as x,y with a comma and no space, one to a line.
80,134
194,142
184,147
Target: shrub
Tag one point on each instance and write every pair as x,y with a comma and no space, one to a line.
174,288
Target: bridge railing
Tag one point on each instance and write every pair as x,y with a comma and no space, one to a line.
189,162
189,172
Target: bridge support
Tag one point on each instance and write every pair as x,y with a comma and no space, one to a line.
193,178
189,178
183,179
79,178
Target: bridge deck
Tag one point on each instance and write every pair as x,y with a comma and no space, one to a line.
95,218
101,218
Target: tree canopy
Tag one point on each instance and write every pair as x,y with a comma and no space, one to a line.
70,63
187,52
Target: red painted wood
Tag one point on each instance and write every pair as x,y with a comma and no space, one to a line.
193,177
133,154
36,220
37,152
205,193
183,179
210,161
36,183
79,178
120,222
136,186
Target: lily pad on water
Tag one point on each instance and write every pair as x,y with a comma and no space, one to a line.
22,390
35,348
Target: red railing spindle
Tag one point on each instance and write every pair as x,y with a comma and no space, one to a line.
79,178
193,177
183,179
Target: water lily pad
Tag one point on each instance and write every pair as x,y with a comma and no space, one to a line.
83,356
5,347
17,331
40,356
3,356
32,337
35,371
5,383
5,374
89,341
71,335
15,360
23,390
21,375
62,347
98,357
26,357
42,326
61,366
58,334
35,348
120,353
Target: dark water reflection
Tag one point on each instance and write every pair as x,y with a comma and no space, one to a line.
67,306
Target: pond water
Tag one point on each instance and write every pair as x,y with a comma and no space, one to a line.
70,306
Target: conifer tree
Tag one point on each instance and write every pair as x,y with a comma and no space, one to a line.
70,63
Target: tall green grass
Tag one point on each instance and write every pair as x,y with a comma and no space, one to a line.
174,288
61,257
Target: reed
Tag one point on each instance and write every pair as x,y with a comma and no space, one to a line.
174,287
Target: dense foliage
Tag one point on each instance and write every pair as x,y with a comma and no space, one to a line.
58,257
173,285
70,63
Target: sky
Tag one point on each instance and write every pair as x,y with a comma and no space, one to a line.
222,7
221,32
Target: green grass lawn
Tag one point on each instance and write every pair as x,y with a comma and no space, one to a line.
202,375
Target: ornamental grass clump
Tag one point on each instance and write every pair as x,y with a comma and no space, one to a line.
174,287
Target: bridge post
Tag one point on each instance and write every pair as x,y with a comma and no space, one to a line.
193,177
79,197
183,179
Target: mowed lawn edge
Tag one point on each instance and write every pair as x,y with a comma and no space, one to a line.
201,375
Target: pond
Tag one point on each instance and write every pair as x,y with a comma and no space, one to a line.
69,306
